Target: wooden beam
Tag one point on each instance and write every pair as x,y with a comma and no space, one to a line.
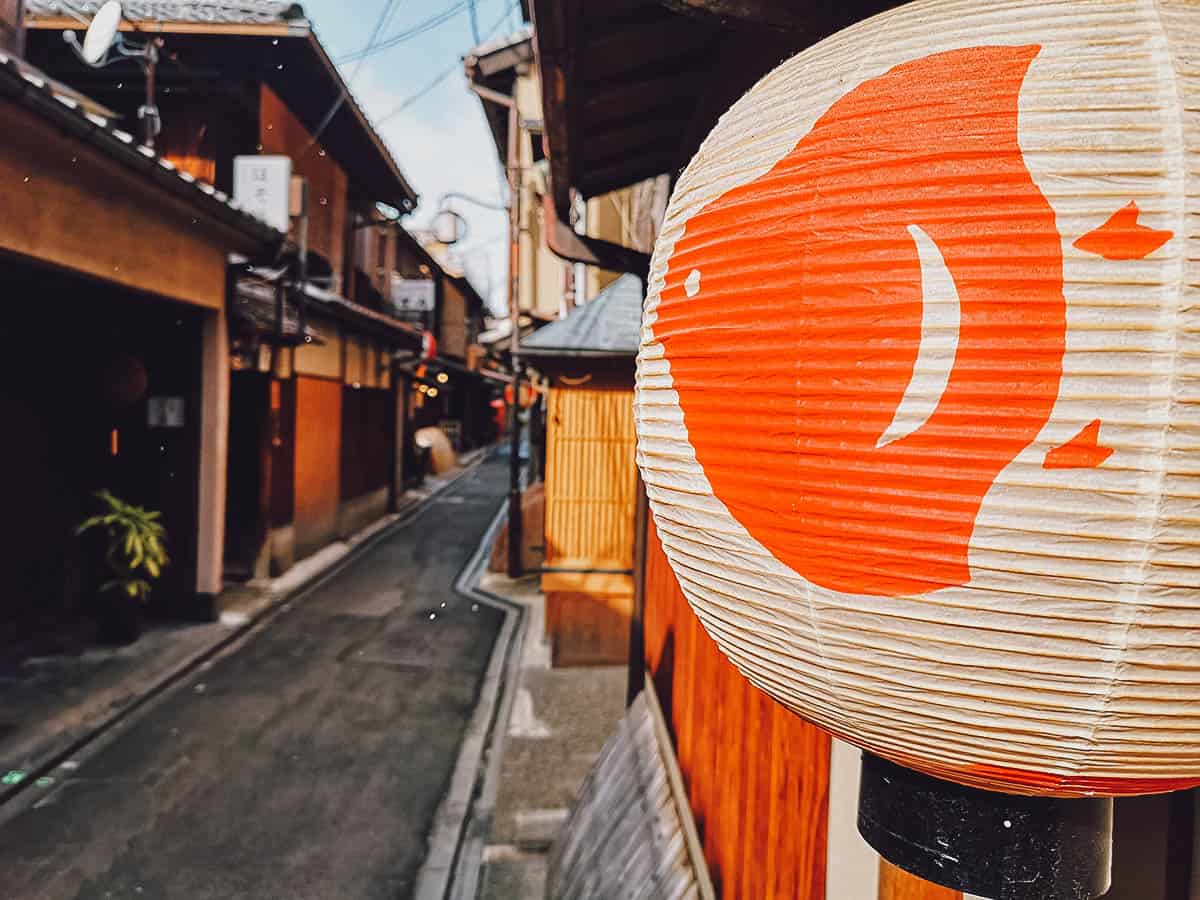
606,103
785,15
634,141
601,180
617,50
553,28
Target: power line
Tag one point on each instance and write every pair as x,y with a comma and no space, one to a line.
474,21
385,14
421,93
456,66
396,39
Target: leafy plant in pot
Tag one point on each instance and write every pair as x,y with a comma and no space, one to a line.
135,556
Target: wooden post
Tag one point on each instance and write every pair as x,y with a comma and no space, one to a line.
214,447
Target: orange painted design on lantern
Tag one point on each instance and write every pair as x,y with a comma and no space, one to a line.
1047,784
1122,237
1081,452
792,319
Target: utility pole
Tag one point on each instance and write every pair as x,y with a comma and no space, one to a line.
515,522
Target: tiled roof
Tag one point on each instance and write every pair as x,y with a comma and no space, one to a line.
349,145
609,325
255,12
24,84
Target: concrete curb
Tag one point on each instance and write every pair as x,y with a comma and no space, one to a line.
259,618
463,819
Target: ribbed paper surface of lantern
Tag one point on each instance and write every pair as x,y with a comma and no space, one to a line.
917,392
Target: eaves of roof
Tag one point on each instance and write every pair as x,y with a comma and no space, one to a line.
361,149
32,91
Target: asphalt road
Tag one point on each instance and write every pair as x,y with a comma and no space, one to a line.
307,763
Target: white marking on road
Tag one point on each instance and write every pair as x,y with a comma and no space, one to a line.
524,723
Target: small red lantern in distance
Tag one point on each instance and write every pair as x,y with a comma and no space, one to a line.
918,396
429,347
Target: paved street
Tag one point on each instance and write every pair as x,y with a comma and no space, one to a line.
307,763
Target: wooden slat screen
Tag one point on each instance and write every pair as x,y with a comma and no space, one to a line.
591,479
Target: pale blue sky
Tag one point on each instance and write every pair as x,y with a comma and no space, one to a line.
441,140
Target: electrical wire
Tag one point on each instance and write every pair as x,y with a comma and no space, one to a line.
417,30
385,15
456,66
474,21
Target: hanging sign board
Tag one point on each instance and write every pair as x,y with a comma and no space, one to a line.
262,186
918,396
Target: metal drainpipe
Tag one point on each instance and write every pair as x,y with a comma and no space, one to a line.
515,529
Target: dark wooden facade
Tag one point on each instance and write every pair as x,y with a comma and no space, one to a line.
85,230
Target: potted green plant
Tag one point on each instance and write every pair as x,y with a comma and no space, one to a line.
135,556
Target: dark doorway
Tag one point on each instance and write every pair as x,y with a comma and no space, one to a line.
247,503
101,389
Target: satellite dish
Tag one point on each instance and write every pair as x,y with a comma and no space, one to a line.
102,33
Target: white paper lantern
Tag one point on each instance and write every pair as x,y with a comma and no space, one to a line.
918,390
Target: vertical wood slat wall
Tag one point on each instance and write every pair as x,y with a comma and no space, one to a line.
757,775
591,478
591,486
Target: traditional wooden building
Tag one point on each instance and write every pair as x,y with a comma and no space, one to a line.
115,266
318,409
456,394
591,479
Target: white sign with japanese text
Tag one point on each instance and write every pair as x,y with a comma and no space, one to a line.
262,185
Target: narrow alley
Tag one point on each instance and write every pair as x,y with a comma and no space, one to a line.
306,763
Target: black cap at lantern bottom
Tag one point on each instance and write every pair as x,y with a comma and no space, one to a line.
993,845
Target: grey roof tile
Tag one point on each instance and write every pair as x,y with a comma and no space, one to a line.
258,12
610,325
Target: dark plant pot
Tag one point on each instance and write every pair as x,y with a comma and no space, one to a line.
119,618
